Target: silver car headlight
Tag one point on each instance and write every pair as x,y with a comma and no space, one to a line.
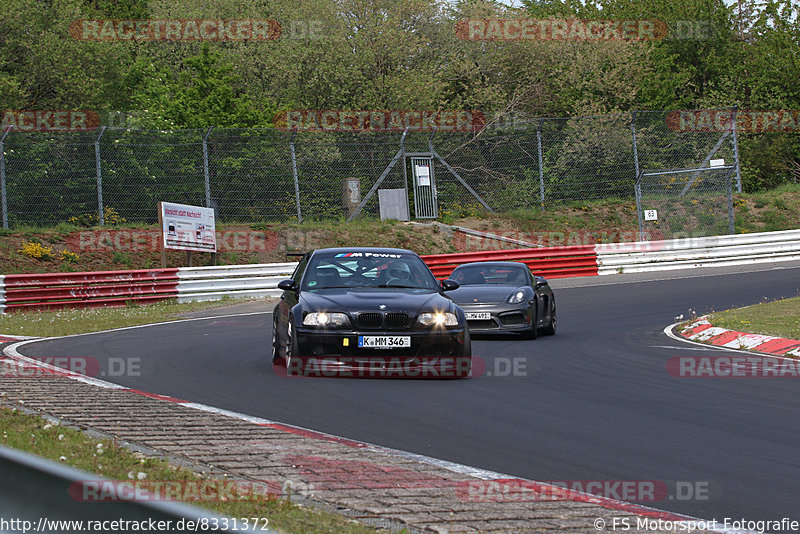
516,297
438,319
324,319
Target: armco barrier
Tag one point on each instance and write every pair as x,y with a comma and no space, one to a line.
235,281
716,251
551,262
94,289
116,288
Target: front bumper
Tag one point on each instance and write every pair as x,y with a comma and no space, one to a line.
436,353
503,317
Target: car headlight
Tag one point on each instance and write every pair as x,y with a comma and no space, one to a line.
516,297
438,319
330,320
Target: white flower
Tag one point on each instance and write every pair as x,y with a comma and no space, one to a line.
48,426
130,474
62,459
61,437
141,476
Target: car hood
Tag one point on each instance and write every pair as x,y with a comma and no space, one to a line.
483,293
370,299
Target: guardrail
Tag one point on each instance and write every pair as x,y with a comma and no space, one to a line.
716,251
116,288
92,289
235,281
551,262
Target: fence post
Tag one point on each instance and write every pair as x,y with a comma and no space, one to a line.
100,214
3,177
294,173
205,167
736,152
541,165
635,148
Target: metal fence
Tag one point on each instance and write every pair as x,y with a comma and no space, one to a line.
274,175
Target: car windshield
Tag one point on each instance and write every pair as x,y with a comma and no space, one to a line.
368,269
490,274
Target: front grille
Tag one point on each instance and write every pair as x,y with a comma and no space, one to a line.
396,320
370,320
512,319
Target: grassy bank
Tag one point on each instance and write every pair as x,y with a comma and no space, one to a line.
68,247
779,318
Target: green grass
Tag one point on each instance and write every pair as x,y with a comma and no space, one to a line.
779,318
79,321
45,437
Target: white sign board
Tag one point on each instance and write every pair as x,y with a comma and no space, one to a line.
185,227
650,215
716,163
423,174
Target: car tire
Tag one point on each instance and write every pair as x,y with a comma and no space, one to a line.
290,353
550,329
533,330
276,353
464,362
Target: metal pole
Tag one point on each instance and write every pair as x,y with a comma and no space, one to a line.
736,152
635,148
731,217
294,173
3,177
205,167
541,165
100,214
637,188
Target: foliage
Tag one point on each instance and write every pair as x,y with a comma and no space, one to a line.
35,250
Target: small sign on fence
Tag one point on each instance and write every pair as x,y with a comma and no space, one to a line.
650,215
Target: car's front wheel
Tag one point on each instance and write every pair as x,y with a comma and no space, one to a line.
276,353
290,353
464,362
550,329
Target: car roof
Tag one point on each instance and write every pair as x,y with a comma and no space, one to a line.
365,249
493,264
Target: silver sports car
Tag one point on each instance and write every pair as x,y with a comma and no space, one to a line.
504,296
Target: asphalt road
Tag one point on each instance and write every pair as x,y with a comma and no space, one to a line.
593,403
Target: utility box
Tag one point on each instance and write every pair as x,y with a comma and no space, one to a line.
393,204
351,194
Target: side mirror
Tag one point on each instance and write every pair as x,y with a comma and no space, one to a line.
541,282
449,285
287,285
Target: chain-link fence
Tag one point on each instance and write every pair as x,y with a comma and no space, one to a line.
273,175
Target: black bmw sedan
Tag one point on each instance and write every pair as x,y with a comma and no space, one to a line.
369,312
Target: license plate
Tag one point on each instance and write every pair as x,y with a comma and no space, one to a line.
480,316
384,342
